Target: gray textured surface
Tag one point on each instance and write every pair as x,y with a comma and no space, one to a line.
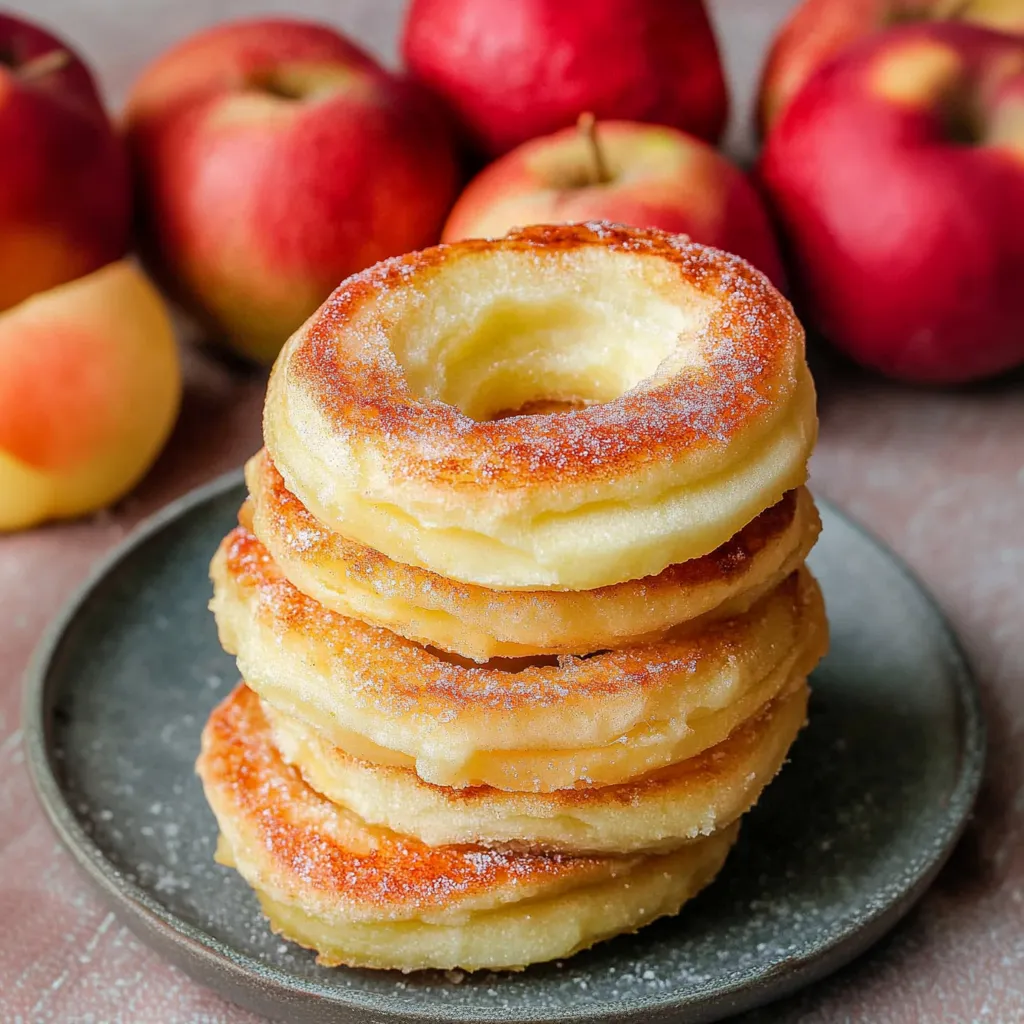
876,790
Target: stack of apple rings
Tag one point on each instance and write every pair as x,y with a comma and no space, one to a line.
518,597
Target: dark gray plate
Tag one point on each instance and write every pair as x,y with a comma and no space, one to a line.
845,840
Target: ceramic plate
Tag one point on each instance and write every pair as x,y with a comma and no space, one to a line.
875,794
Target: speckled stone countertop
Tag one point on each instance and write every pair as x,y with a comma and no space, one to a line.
939,476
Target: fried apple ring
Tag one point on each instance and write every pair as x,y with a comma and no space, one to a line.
479,623
532,727
693,409
367,897
676,804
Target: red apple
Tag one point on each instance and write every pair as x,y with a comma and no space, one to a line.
640,174
65,202
512,71
818,30
897,174
275,158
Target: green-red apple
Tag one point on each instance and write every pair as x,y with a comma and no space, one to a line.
639,174
897,174
89,390
818,30
275,158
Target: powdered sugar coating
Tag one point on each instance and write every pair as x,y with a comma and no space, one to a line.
482,623
298,532
324,852
397,675
751,349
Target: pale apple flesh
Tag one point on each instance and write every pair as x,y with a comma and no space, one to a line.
819,30
89,391
659,177
898,177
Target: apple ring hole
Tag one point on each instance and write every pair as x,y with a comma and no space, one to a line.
500,337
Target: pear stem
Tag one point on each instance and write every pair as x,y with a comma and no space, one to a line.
44,64
586,125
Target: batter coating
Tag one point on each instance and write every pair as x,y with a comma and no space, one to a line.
661,811
369,898
530,727
695,408
480,623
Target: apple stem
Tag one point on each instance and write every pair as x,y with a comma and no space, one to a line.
44,64
587,127
951,9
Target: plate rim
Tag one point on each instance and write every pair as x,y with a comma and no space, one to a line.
219,966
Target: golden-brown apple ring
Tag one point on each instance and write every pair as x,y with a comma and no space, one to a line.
534,727
479,623
696,408
660,811
367,897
